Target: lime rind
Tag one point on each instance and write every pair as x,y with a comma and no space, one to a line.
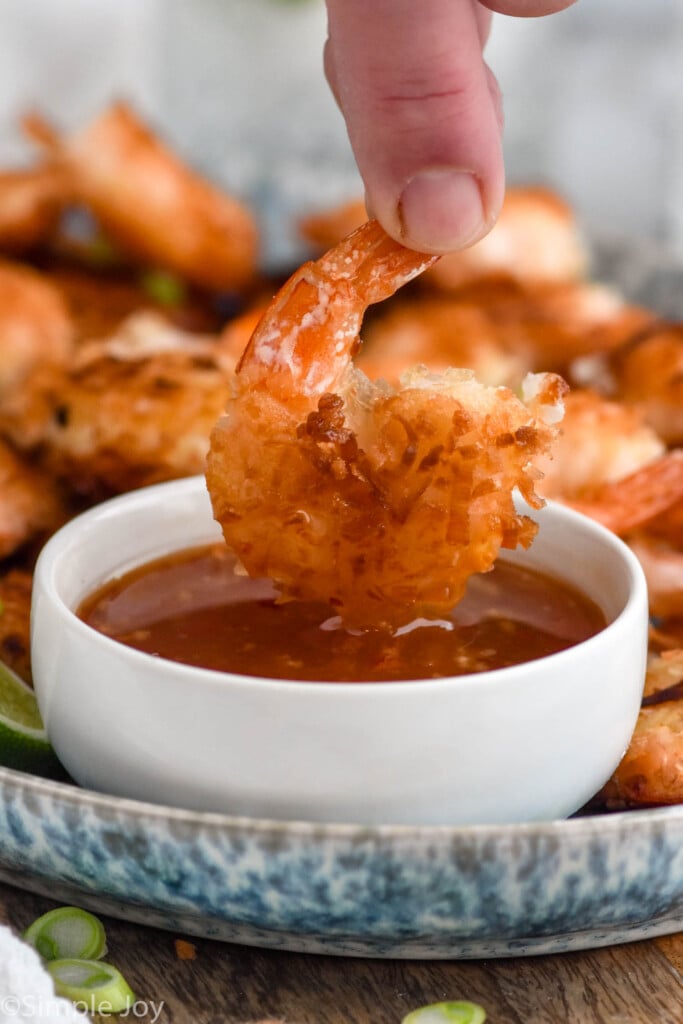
18,704
24,743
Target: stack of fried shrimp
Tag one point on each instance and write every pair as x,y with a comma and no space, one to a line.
130,293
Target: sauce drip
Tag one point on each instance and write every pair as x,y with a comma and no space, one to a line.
192,607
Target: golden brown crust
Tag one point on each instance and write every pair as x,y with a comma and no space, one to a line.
649,373
35,326
134,409
378,501
438,332
31,504
651,771
15,614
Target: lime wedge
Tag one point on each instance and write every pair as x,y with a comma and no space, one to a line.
23,741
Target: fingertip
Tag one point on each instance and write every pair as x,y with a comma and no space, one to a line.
527,8
440,210
423,116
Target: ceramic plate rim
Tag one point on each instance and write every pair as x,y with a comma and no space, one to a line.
214,820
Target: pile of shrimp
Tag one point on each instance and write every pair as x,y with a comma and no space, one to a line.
134,318
121,273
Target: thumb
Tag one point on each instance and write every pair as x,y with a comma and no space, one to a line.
422,116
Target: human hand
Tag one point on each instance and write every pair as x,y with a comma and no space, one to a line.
423,112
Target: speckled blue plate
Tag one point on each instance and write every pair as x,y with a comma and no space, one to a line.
483,891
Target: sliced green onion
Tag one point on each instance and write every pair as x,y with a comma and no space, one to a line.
99,251
91,984
447,1013
164,287
67,932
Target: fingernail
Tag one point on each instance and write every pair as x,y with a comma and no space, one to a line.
440,210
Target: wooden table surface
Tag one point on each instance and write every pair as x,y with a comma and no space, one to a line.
638,983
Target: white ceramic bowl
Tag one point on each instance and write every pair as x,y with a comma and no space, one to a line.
532,742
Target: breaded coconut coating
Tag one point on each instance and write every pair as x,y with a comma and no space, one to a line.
651,771
15,616
134,409
35,326
380,502
31,505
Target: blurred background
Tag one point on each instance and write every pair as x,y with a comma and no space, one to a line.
593,100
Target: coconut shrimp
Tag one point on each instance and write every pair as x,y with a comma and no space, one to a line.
651,771
601,442
15,588
30,502
15,618
535,240
635,500
326,228
645,506
380,502
35,326
662,564
131,409
150,204
649,374
659,548
438,332
552,326
31,203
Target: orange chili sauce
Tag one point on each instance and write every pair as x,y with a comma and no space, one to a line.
192,607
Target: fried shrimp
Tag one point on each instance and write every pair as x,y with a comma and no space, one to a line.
132,409
35,326
601,442
635,500
31,202
438,332
150,204
649,373
662,564
15,621
30,502
536,240
651,771
379,502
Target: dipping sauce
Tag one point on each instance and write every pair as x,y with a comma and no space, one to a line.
192,607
